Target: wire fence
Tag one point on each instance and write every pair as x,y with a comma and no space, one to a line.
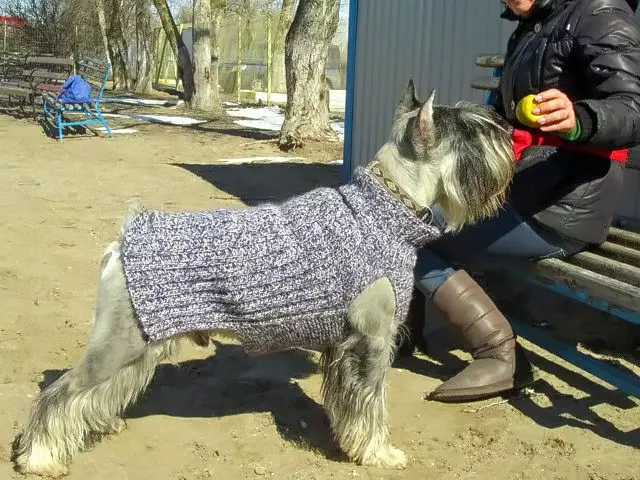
250,56
251,50
30,39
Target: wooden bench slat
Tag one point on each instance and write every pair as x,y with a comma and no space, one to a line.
40,87
93,78
624,237
96,85
619,252
43,73
50,61
93,67
491,60
485,83
51,100
14,89
606,266
608,289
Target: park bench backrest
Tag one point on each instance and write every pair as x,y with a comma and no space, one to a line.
46,74
11,66
96,73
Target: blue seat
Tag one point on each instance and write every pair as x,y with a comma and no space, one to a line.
95,73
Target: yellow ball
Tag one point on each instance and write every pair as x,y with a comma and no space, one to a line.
524,112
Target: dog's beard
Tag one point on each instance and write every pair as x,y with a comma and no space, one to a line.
475,175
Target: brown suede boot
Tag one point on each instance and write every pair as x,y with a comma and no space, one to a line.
499,362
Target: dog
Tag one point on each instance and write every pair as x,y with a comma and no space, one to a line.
330,270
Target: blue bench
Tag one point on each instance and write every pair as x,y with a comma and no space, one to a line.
606,277
95,73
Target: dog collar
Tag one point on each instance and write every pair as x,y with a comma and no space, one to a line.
424,214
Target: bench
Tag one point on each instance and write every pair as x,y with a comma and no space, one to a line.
39,75
606,277
11,66
96,74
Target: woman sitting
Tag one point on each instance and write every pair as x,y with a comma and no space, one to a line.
581,58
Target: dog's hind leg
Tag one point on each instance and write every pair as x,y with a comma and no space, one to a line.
116,367
354,375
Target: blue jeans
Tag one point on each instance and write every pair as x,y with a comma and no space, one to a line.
498,242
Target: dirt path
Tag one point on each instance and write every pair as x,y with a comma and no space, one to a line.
229,416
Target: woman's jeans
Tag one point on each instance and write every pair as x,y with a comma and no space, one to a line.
501,241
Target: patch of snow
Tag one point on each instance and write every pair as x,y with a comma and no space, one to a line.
143,101
159,119
258,159
272,125
112,115
256,113
165,119
269,118
117,130
168,119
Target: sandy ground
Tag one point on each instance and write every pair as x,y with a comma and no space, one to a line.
221,414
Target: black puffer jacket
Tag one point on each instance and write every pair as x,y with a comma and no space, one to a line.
590,50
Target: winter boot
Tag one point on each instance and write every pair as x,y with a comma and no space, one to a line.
500,364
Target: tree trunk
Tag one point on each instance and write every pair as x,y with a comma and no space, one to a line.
218,8
278,75
185,66
117,44
102,22
206,96
306,51
145,48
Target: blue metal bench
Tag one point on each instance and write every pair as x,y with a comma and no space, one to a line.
95,73
606,277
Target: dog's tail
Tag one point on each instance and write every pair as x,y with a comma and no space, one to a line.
134,207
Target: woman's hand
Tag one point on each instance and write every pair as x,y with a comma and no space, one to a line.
557,111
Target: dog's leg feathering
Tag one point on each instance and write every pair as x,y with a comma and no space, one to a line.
354,376
86,401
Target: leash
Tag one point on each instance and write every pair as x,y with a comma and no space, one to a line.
424,214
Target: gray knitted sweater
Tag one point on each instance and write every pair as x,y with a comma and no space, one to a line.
278,276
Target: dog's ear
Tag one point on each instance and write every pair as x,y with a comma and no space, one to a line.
425,117
409,101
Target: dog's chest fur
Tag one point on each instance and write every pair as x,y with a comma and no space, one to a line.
278,276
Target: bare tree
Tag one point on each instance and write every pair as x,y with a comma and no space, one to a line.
102,23
278,75
50,24
306,50
145,47
206,96
185,66
117,43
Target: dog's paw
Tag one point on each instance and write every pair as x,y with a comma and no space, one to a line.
114,427
41,462
387,457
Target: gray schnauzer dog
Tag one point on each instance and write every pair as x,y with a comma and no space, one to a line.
330,270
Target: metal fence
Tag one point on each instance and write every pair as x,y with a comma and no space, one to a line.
249,56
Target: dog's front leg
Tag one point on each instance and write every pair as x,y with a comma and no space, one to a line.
354,376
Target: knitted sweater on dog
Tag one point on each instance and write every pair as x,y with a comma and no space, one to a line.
278,276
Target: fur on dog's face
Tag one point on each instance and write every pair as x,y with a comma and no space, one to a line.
467,146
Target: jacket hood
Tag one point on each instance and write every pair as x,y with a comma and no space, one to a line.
543,7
